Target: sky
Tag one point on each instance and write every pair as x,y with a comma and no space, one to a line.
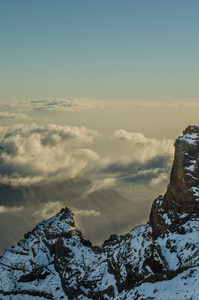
103,50
93,95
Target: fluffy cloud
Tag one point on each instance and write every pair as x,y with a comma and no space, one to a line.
146,161
144,148
31,154
128,170
86,212
101,184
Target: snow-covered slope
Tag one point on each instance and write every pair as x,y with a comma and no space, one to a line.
159,260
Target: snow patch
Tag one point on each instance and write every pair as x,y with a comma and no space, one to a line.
189,138
166,218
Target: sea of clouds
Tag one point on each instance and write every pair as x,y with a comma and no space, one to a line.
40,154
32,153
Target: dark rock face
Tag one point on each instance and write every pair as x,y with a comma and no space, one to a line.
55,261
181,201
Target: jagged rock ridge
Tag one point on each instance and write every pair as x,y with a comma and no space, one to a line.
159,260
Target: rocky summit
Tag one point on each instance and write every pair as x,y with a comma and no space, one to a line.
159,260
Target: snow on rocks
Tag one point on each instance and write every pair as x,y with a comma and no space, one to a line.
70,268
189,138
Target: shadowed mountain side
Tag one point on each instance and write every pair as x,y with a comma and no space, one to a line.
42,193
99,214
12,229
30,199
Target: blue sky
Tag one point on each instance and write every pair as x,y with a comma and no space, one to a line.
108,50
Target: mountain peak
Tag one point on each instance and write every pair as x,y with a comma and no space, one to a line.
191,129
60,224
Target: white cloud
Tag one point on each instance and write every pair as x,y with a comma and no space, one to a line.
50,134
33,153
86,212
145,161
143,148
13,209
101,184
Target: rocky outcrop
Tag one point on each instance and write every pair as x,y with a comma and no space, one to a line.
55,261
181,201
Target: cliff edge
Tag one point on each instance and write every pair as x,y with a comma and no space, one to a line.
181,201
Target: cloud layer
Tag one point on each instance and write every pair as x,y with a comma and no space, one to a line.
55,104
81,104
145,160
31,153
